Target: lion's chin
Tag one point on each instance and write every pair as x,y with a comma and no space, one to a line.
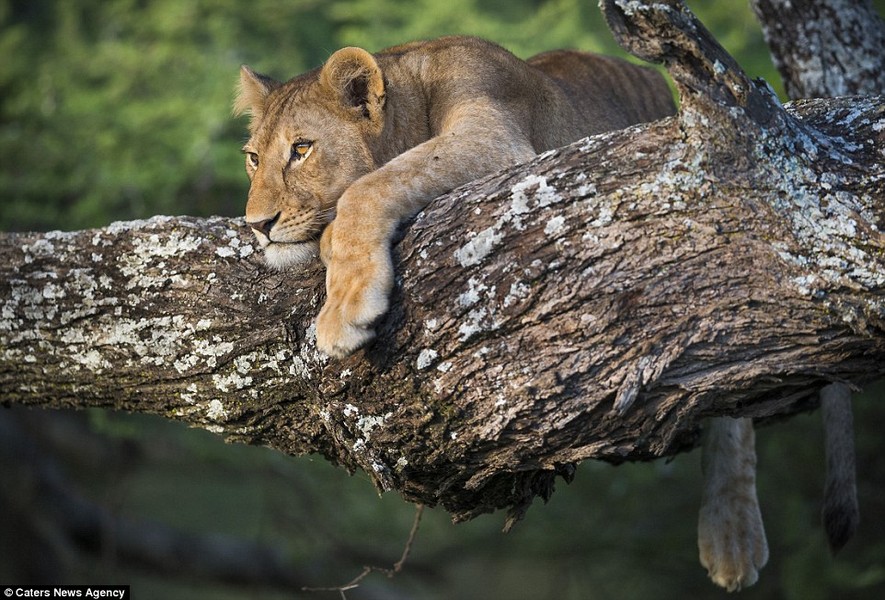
282,256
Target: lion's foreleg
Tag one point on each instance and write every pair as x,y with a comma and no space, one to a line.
356,247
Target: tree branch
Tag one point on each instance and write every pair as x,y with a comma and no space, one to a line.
825,48
597,302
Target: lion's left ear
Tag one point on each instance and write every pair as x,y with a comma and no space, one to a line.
355,77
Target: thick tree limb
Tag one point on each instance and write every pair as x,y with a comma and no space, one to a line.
597,302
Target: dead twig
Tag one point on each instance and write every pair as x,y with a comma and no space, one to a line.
367,570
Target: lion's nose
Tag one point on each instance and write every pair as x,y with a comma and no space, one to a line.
264,226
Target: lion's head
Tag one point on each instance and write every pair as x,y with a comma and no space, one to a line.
310,138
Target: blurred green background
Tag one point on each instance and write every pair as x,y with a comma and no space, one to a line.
120,109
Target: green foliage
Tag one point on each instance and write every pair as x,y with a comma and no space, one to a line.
121,109
524,27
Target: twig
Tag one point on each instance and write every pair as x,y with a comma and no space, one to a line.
367,570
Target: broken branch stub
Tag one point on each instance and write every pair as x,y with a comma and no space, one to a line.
669,33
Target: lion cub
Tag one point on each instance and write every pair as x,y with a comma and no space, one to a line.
368,140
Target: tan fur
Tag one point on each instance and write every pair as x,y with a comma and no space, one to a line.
731,536
391,131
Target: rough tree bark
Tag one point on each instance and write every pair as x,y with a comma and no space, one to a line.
597,302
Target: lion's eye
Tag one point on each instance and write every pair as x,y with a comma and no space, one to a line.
300,150
252,159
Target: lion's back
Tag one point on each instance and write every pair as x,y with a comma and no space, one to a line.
556,97
608,92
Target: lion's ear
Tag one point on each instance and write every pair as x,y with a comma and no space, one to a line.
355,77
252,93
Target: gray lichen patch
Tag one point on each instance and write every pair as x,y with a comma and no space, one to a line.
832,240
109,302
357,428
530,195
426,357
832,229
144,265
529,212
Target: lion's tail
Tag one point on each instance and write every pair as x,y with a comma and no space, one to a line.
840,512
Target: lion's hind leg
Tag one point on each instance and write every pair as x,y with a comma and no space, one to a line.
731,537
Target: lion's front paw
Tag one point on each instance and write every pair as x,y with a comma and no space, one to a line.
338,337
357,296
